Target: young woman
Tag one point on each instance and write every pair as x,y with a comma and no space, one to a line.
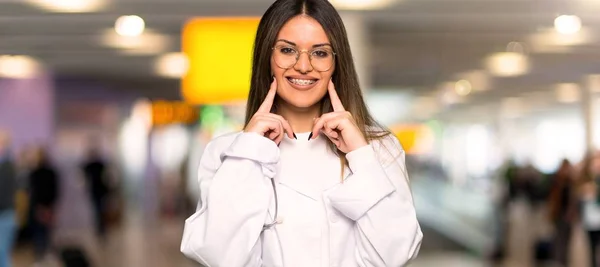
312,180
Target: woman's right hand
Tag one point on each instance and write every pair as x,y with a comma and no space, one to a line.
267,124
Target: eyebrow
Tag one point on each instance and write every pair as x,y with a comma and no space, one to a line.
294,44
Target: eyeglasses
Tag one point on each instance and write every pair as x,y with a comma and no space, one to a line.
286,56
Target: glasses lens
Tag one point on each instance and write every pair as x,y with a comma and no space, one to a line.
285,56
321,59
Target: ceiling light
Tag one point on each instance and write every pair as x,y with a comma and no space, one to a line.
462,87
148,43
130,25
172,65
69,6
507,64
361,4
550,40
567,24
18,67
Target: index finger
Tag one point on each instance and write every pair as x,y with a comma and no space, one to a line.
265,107
336,103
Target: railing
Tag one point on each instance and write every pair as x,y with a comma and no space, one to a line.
464,216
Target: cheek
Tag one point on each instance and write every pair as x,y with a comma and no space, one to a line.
274,69
327,75
322,93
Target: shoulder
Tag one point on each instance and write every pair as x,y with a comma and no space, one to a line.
211,155
217,145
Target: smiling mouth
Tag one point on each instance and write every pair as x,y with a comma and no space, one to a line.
302,82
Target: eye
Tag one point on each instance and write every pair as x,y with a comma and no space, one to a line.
287,50
321,53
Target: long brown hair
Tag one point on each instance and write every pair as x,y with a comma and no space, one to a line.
344,77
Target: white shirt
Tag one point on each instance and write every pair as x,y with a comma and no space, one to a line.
368,220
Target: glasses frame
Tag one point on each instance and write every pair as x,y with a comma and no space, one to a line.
300,52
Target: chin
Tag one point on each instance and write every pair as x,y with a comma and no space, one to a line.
302,99
300,102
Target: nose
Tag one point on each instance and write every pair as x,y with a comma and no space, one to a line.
303,64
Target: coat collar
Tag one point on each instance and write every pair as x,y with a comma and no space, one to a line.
306,167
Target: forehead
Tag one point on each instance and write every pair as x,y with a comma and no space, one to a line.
304,31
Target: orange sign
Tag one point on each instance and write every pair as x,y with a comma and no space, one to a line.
164,112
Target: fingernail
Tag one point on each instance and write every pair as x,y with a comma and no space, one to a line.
309,136
295,137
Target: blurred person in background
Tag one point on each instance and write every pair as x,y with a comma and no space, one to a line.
186,202
562,203
532,185
8,188
311,166
95,171
589,181
24,164
530,192
505,191
44,193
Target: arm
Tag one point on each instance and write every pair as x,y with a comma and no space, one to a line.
235,195
378,198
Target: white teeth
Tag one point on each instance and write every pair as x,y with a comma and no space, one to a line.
302,82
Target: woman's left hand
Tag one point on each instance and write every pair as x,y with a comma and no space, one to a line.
339,126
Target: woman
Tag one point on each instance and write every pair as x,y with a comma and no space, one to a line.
562,203
311,180
44,193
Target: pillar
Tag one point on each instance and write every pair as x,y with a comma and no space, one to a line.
357,30
589,101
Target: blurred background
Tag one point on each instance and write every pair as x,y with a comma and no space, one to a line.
106,106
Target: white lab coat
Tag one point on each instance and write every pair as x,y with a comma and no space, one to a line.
371,217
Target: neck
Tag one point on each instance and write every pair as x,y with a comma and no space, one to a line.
301,119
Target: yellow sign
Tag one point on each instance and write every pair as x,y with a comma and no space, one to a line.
220,55
164,112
